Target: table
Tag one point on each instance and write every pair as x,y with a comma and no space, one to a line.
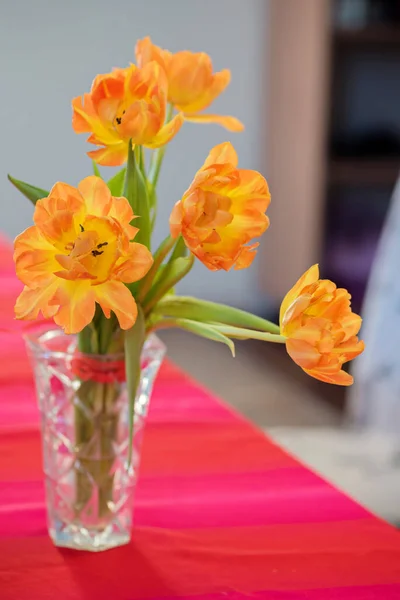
221,511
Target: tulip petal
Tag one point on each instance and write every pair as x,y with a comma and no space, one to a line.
108,86
103,132
351,324
32,301
339,378
220,155
246,256
221,80
61,197
139,121
248,225
254,189
122,211
327,342
146,51
293,314
192,86
34,258
83,113
350,348
228,122
310,332
96,194
303,353
309,277
175,219
166,133
110,156
76,301
136,265
107,109
115,296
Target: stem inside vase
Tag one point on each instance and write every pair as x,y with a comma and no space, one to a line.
96,437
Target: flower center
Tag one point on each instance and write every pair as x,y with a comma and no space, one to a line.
93,252
215,213
118,118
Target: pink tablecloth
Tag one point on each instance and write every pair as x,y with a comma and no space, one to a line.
221,513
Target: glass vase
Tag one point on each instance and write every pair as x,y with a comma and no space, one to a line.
84,409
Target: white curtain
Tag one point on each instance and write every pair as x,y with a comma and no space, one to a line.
374,398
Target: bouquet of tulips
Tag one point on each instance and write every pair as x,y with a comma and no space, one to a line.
89,263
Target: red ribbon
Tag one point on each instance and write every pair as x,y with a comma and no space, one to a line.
102,371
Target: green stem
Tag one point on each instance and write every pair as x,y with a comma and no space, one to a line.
88,339
160,154
239,333
230,332
98,417
95,415
107,328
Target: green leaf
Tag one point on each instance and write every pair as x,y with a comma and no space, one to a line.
116,183
30,191
169,277
95,169
158,257
203,310
140,159
204,330
134,340
135,190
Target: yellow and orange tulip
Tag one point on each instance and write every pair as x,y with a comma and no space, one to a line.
79,252
223,209
127,104
192,85
320,328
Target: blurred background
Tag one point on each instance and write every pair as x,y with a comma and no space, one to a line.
317,84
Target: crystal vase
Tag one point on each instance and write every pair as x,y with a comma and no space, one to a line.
84,406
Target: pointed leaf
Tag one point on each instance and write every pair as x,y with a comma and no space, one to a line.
116,183
134,340
205,330
30,191
140,159
168,278
203,310
158,257
135,190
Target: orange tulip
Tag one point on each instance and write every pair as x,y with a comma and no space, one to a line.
192,85
78,253
320,328
127,104
223,209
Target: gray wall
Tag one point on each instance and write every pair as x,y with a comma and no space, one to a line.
51,50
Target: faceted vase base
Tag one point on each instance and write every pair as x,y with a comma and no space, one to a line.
79,538
91,452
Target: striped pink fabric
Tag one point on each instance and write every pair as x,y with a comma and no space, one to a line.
221,512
